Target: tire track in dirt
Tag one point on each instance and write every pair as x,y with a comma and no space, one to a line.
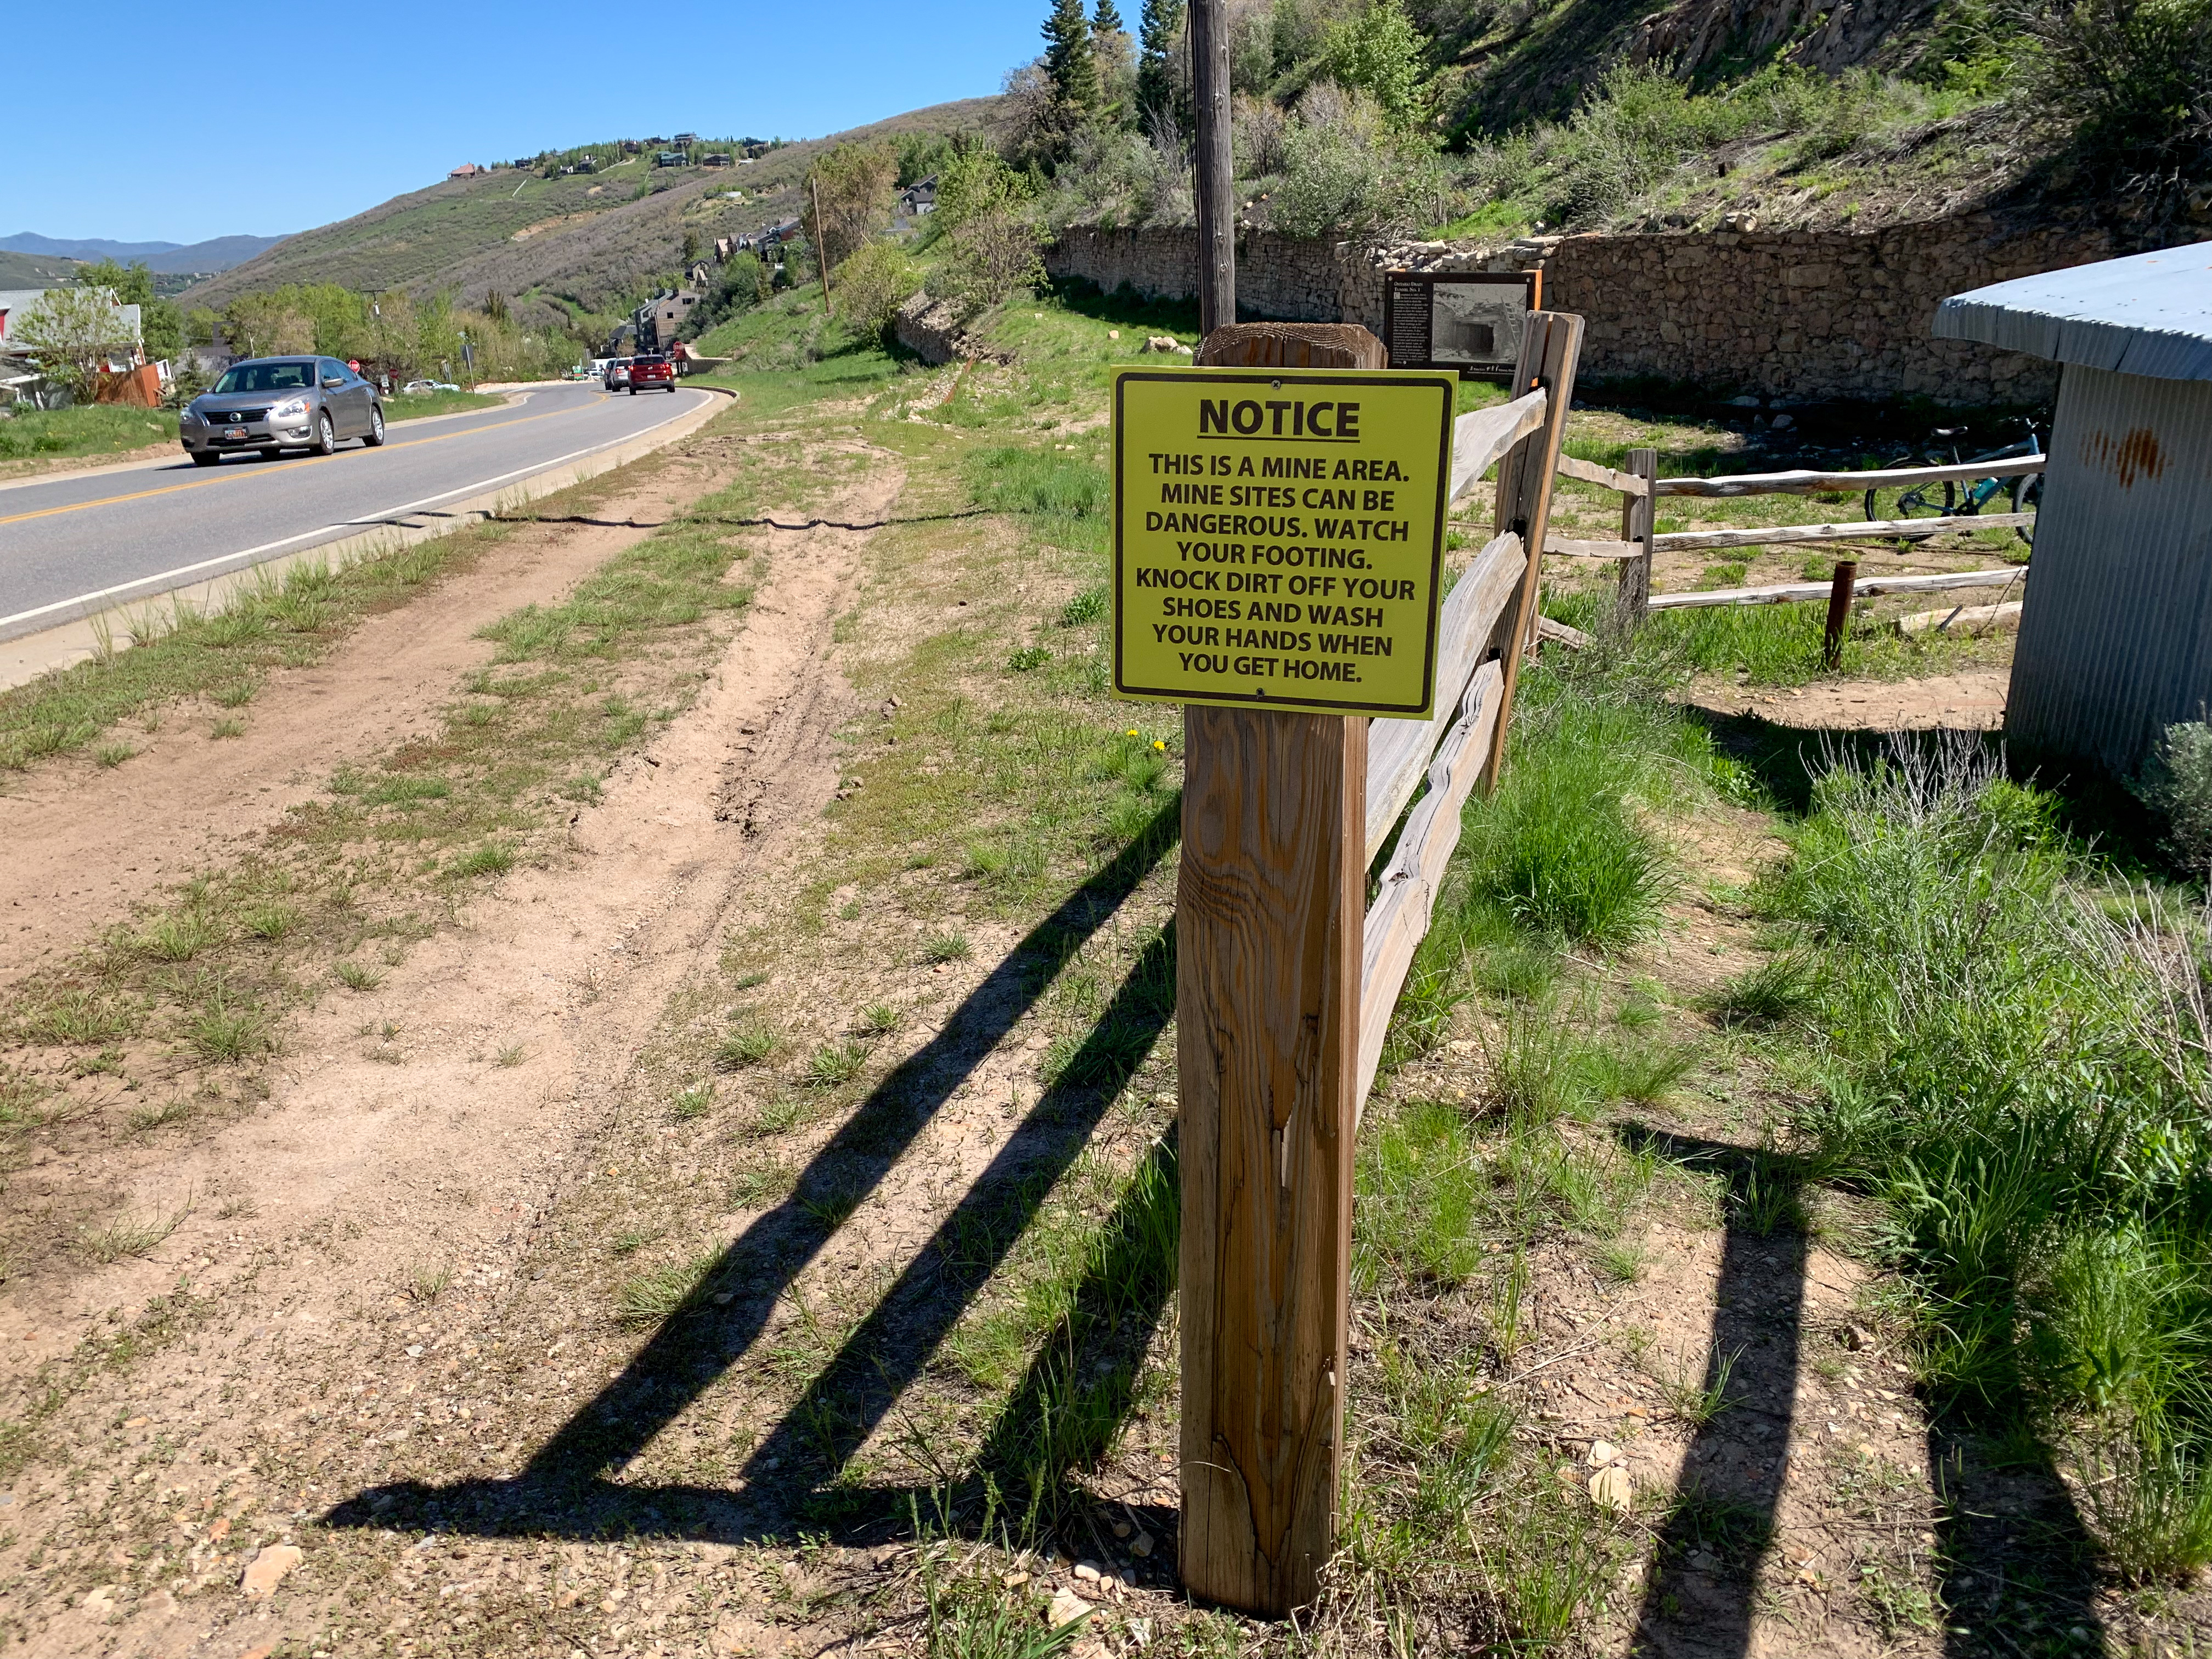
360,1176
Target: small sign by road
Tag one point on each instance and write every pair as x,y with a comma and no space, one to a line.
1278,537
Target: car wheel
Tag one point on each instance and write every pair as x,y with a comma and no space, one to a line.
203,457
326,437
375,439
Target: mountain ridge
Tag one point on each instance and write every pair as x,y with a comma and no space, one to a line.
214,255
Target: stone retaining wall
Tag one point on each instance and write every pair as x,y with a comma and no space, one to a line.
1786,315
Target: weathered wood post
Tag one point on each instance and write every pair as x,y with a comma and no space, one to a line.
1550,349
1269,908
1638,514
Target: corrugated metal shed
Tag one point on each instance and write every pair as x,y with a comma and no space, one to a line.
2150,314
2115,637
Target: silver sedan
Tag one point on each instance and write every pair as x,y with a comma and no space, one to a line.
268,405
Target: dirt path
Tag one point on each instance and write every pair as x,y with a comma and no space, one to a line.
381,1167
1971,701
86,841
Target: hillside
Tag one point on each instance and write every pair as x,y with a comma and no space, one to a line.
1490,118
588,242
35,269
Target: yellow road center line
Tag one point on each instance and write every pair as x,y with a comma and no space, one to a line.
257,472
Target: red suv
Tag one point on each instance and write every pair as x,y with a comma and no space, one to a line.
655,370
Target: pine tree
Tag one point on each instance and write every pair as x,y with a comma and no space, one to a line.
1160,81
1067,57
1106,19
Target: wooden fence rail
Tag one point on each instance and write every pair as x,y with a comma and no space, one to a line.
1638,489
1486,621
1865,587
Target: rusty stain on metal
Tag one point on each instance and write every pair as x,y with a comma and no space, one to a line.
2137,455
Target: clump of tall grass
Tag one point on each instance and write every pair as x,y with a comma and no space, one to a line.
2020,1065
1564,844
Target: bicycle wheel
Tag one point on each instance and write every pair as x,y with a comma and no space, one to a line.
2026,497
1927,501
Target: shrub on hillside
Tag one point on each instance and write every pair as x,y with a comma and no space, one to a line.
2128,82
868,289
1345,173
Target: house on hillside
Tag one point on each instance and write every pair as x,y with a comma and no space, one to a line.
717,159
919,198
467,170
671,158
684,140
660,318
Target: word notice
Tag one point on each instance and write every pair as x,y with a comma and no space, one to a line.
1278,536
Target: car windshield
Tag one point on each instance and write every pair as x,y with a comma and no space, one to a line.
267,377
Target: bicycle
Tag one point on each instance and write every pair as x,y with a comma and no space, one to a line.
1920,500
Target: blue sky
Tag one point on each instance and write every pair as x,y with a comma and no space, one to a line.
344,107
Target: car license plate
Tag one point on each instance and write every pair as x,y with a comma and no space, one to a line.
235,433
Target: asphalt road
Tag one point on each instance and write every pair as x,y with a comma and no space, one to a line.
125,536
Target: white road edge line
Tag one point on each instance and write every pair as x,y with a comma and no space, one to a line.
369,522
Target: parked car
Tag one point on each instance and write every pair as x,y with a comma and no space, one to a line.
422,388
616,377
268,405
651,371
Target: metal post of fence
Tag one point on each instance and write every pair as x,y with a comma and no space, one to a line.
1839,611
1638,516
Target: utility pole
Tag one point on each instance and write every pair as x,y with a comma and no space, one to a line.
821,254
1216,183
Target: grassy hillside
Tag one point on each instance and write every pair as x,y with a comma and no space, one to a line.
1489,117
583,243
35,269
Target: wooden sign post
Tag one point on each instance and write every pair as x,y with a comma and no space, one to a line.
1278,554
1269,906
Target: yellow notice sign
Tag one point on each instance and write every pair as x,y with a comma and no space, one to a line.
1278,535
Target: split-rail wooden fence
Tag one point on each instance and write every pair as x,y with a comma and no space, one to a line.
1639,486
1287,978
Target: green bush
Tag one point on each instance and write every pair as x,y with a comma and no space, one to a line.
2125,82
2023,1080
2179,784
869,288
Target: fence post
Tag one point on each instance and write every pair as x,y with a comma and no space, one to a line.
1549,351
1839,613
1638,516
1268,909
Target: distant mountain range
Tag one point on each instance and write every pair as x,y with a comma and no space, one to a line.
218,254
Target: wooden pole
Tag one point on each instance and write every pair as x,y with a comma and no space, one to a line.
1839,613
821,251
1215,185
1637,517
1550,349
1268,911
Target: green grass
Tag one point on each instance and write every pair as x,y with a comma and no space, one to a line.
2009,1051
660,1292
86,429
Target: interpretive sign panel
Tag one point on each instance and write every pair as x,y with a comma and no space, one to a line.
1470,320
1278,537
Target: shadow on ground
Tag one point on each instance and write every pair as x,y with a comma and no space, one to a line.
1065,1412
